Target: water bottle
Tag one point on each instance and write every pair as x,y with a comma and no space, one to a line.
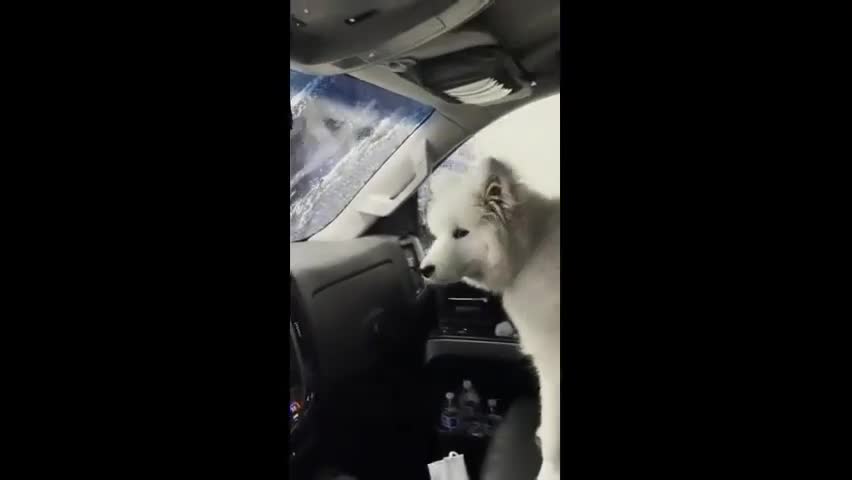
494,418
469,401
470,420
449,414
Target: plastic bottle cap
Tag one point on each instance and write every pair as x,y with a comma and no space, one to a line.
467,384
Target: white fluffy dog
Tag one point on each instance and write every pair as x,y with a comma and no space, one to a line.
495,233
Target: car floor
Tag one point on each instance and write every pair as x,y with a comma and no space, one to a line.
403,440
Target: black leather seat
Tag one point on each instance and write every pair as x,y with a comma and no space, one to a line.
513,453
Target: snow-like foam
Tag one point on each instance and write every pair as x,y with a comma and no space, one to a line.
330,165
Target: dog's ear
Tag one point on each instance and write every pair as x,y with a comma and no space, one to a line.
498,192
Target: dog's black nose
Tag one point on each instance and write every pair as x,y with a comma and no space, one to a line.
428,270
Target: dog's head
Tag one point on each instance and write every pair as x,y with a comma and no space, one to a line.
469,216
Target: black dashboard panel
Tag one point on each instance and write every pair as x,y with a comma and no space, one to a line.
362,318
356,297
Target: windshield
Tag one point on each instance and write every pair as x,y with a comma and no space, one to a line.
343,131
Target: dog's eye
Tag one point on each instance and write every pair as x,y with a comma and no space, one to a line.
459,233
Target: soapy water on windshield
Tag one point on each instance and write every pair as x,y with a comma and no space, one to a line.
343,131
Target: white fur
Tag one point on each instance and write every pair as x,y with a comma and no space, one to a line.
512,248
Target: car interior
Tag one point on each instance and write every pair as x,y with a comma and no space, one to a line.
373,348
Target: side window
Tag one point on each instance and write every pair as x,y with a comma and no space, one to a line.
458,161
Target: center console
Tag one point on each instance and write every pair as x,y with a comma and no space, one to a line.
468,321
464,347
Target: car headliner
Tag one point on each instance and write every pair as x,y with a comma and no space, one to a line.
528,30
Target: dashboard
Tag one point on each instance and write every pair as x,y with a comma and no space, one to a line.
362,326
353,322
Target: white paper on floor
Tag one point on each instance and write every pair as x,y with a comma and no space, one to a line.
451,467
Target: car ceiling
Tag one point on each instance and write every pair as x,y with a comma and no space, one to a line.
522,26
528,31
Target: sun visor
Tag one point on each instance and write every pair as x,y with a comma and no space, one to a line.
339,36
477,76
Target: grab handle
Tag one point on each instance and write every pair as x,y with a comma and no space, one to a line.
383,204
